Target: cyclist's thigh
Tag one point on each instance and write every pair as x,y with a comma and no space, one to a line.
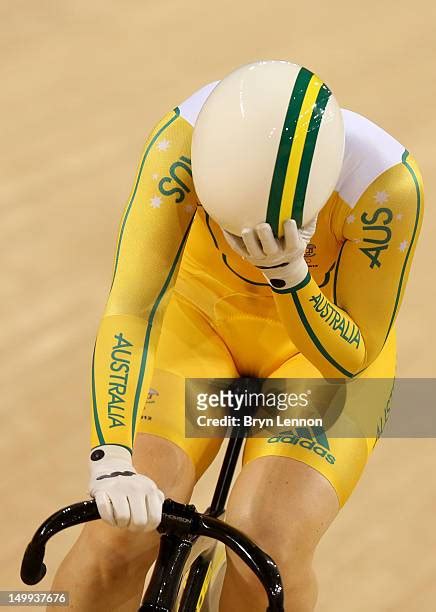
339,458
188,348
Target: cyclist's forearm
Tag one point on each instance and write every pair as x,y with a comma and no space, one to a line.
121,371
324,333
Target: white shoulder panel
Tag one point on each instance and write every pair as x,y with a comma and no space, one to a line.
190,108
369,151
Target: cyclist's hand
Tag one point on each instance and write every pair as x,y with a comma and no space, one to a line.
281,260
124,498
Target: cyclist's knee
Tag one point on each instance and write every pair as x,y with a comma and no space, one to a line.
273,503
298,579
291,548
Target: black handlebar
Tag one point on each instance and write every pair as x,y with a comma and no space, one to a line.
257,560
179,519
33,568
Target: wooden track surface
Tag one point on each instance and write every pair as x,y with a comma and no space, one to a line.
82,84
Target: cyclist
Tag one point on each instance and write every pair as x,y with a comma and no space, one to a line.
224,268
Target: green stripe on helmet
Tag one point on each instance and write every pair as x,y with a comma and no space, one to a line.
285,146
308,152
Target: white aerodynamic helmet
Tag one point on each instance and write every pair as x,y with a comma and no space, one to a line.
267,146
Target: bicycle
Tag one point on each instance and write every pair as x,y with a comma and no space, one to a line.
189,539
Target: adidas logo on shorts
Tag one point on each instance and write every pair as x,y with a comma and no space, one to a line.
313,439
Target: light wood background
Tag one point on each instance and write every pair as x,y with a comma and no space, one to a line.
82,83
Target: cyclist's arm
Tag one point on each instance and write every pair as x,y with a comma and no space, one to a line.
152,235
343,337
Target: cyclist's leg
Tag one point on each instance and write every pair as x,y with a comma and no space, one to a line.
285,507
106,568
287,495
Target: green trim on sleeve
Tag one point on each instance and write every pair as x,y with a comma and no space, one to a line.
94,403
315,339
150,325
129,206
303,283
115,444
415,228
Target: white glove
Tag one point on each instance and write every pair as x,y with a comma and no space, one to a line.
281,260
124,498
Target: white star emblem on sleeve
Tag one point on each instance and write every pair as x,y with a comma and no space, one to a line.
381,197
155,201
163,145
351,219
403,245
